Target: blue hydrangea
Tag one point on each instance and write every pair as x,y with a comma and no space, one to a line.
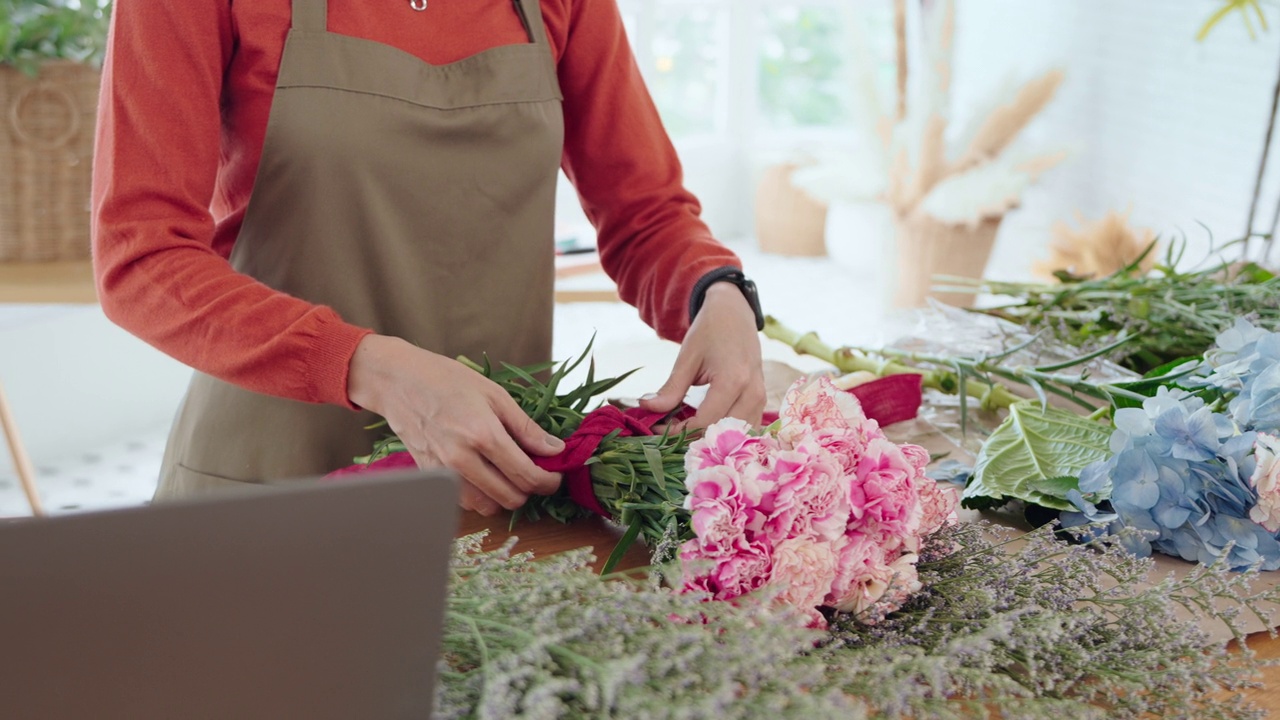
1180,474
1246,364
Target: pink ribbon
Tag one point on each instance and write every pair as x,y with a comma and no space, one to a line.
887,400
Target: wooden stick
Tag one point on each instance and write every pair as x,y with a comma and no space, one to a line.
1257,185
22,463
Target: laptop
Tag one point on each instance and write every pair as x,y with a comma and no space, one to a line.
319,602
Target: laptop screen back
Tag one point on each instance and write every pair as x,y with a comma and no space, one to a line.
319,602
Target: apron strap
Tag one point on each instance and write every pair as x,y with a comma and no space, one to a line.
311,15
532,20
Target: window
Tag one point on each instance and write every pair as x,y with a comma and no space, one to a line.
688,55
735,80
800,63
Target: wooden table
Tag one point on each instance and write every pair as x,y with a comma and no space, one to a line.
547,537
72,282
40,283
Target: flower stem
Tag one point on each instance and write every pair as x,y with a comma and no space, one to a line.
848,360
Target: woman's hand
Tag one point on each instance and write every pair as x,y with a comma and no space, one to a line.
449,415
722,349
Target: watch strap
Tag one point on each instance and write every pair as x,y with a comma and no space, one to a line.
729,274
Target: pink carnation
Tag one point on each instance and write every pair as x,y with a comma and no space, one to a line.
938,505
727,577
728,442
1266,480
816,406
809,498
846,445
917,456
866,578
803,572
862,574
885,491
904,581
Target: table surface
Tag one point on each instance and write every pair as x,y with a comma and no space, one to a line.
547,537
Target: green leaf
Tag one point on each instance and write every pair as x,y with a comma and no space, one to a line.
620,549
1055,486
1030,452
1165,375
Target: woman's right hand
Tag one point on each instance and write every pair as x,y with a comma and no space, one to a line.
449,415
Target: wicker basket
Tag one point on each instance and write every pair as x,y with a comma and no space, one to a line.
927,247
46,158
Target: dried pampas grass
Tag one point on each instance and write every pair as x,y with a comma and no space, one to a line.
1006,121
987,191
1098,249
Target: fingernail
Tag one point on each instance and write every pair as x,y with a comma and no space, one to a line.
648,397
555,443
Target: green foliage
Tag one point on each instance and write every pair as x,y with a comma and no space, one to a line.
34,31
639,480
1036,454
1167,314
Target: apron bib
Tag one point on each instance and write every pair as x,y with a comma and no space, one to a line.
414,199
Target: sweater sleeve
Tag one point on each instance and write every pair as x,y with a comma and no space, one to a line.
652,241
156,157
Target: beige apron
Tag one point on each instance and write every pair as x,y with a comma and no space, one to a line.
414,199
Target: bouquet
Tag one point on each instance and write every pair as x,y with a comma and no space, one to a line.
822,509
819,510
922,617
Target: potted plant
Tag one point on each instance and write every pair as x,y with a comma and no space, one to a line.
50,52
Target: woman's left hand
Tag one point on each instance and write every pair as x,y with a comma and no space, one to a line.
721,349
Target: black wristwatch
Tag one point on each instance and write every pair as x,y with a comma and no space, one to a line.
727,274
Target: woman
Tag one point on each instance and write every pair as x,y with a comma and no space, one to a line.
319,226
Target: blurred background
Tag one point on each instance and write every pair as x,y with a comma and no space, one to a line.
821,157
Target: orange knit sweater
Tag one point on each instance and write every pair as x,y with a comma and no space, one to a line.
187,87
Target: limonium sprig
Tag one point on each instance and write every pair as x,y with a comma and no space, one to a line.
1036,629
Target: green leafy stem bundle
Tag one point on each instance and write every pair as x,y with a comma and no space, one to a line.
1142,320
638,479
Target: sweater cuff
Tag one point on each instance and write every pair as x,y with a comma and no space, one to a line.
328,367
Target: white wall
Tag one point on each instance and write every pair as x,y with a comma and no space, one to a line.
1162,124
1178,124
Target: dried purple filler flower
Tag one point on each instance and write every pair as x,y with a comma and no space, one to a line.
1033,629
